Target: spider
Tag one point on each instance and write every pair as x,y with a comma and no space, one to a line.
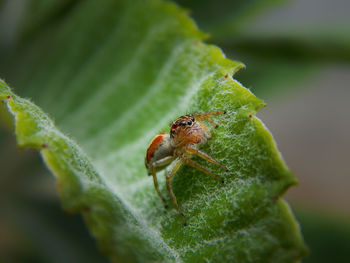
178,147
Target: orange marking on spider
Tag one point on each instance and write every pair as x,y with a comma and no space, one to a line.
178,147
154,145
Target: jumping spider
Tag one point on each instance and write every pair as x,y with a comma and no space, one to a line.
185,132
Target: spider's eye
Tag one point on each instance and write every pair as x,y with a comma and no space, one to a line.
182,123
189,122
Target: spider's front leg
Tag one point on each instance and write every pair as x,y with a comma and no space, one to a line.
207,115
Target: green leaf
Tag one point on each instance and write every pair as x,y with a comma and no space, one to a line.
112,77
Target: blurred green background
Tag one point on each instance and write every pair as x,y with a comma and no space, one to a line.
297,55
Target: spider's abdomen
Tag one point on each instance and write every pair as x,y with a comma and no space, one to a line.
159,148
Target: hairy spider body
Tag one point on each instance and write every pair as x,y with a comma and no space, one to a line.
178,147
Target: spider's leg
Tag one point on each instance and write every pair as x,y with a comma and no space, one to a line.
170,189
203,169
205,156
212,123
207,115
206,130
162,162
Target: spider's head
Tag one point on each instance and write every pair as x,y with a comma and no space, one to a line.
181,125
186,128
